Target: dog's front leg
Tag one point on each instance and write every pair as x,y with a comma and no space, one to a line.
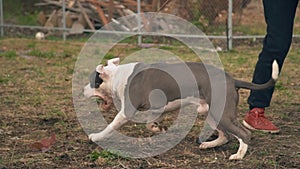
118,121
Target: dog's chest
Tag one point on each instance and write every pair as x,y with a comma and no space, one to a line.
120,78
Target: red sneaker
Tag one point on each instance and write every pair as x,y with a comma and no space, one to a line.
256,120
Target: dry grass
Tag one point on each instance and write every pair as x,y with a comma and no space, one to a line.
36,100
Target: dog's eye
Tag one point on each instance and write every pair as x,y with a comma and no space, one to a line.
97,85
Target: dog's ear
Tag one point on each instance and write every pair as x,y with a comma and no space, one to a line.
115,61
101,71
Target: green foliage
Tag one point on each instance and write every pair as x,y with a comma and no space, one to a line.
201,25
8,54
29,19
166,47
20,12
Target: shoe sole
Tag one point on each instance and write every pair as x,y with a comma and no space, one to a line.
254,129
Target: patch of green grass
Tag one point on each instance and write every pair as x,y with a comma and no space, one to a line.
131,40
3,80
61,124
9,54
166,47
42,54
201,25
83,38
59,114
36,100
215,30
263,153
66,54
249,30
280,86
108,155
94,155
108,56
1,160
147,39
235,146
70,71
294,57
241,60
31,45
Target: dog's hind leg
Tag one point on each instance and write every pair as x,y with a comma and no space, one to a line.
217,142
118,121
241,151
243,135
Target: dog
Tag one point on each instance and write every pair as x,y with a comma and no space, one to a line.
133,85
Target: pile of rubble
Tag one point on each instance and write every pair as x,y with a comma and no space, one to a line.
92,14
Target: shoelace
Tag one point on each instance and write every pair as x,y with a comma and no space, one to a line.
262,118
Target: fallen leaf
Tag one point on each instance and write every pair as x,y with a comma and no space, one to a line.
44,144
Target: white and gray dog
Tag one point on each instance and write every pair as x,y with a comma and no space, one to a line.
133,83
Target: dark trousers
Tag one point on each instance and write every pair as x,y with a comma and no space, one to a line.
279,16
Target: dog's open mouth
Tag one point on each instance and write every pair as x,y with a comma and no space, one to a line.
104,102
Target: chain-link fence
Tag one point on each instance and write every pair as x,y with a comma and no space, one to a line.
223,21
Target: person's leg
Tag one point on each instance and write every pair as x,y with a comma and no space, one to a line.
280,20
279,16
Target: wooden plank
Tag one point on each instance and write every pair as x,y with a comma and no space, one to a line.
71,3
110,9
126,22
154,5
77,28
49,22
69,20
59,4
100,11
41,17
99,3
86,17
133,4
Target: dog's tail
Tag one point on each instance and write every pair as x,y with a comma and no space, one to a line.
252,86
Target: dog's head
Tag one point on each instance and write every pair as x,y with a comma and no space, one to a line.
100,84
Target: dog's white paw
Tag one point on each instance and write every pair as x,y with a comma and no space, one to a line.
203,108
235,157
95,137
205,145
155,127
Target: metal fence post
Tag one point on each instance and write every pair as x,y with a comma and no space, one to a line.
229,25
139,22
2,18
64,19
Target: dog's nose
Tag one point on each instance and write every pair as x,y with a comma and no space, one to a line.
88,91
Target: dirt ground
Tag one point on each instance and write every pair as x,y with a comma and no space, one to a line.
36,101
